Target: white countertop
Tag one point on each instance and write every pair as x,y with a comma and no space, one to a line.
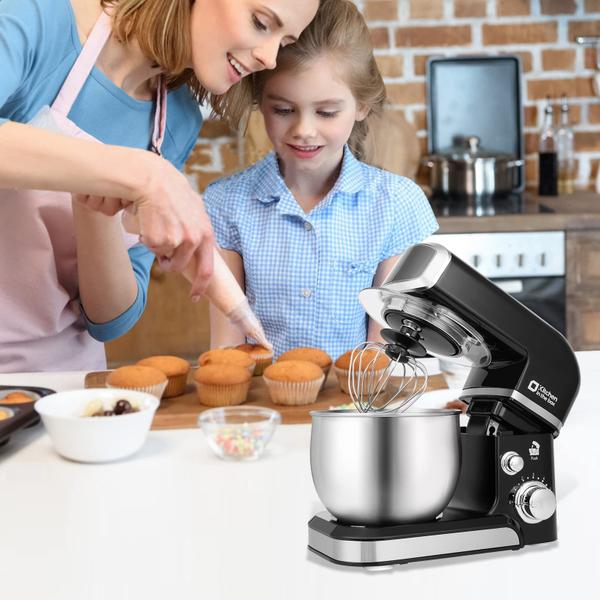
175,522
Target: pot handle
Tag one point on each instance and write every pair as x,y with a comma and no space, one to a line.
515,163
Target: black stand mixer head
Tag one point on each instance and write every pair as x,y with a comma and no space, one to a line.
524,376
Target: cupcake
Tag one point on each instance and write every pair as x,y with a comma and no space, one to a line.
259,354
293,382
16,398
314,355
222,385
227,356
375,362
176,369
139,378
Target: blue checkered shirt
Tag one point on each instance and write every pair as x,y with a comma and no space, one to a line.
304,271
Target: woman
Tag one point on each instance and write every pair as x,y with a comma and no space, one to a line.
127,74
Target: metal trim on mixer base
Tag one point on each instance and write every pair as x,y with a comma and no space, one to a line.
358,552
518,397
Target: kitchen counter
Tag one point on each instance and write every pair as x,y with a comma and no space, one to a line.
176,522
577,211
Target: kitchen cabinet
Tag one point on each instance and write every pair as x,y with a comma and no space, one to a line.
583,289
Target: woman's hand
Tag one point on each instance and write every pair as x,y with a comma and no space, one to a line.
171,219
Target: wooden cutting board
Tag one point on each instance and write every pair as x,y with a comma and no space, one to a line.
182,412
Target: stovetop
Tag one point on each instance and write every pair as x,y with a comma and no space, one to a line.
512,204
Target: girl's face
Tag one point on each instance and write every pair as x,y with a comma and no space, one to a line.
309,116
233,38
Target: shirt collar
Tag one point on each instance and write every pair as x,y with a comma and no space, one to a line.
270,186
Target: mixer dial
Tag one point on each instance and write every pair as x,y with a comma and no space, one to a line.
535,502
511,463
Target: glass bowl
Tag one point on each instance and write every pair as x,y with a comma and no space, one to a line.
239,432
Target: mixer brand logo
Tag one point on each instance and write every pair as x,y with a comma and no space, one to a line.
534,450
545,394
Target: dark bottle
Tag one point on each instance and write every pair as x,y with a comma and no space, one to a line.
548,158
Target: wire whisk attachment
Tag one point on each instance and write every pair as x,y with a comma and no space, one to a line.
377,383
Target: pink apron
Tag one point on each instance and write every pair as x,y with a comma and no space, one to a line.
41,325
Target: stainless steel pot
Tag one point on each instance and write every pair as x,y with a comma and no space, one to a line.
382,468
470,172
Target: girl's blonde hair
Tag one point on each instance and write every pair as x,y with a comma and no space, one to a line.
162,29
340,31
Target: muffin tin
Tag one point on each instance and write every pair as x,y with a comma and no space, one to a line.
16,416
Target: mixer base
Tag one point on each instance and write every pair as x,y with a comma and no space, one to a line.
456,533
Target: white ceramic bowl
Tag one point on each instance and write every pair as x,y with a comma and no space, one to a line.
96,439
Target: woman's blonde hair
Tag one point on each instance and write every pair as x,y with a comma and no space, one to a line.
162,29
338,30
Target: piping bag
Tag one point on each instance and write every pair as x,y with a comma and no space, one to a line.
223,290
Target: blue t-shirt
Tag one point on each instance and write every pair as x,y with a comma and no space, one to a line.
304,271
39,44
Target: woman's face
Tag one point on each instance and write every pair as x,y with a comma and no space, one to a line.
233,38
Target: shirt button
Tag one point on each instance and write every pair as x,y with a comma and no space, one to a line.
307,226
307,293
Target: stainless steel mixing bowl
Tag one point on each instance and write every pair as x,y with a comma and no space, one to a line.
384,468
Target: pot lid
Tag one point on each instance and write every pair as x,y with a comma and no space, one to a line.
470,150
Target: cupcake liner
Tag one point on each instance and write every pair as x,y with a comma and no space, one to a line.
156,390
252,368
344,374
262,362
211,394
175,385
325,373
294,393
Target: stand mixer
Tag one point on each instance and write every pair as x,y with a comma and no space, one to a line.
522,382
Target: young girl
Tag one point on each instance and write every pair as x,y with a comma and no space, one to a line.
311,225
99,98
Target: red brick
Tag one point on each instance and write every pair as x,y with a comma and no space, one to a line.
594,113
526,60
532,33
420,63
420,120
230,157
587,28
558,60
470,8
406,93
380,37
459,35
587,141
512,8
555,88
558,7
592,6
530,116
531,143
214,129
201,156
432,9
531,172
590,58
390,66
381,10
595,167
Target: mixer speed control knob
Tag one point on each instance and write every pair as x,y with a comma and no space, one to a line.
535,502
511,463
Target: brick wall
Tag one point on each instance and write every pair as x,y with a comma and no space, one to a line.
406,33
